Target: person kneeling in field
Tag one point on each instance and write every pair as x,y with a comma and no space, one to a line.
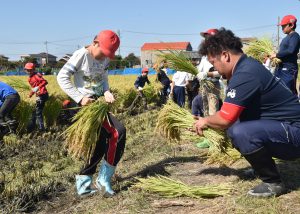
261,114
9,99
88,65
140,83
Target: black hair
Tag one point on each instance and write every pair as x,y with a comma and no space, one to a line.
294,26
224,40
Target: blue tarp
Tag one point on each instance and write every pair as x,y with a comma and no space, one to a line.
126,71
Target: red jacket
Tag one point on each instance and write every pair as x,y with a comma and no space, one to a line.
37,80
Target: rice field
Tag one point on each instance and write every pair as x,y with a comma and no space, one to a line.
37,171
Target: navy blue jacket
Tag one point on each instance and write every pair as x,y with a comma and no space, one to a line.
260,94
288,50
141,81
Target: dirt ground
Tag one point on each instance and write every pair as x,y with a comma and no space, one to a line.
148,154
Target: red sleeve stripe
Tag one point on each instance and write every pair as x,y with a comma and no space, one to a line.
231,111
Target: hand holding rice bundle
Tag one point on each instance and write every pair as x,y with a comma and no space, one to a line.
261,48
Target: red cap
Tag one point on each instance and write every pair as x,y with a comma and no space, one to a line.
145,70
210,32
29,66
288,19
66,103
109,42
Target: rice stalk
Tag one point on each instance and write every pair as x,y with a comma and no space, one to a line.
23,113
18,84
178,61
52,110
260,48
82,135
172,121
170,188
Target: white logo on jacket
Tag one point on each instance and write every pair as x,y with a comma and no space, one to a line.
231,93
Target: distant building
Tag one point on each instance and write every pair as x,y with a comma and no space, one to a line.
149,51
42,58
4,58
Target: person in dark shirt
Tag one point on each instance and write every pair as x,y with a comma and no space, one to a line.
261,114
162,77
38,85
139,85
142,80
288,53
9,99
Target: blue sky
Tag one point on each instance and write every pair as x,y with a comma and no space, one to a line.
67,25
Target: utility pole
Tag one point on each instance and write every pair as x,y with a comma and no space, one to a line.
119,34
46,43
278,26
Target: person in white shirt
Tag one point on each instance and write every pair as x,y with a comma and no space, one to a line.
88,67
267,62
179,82
210,96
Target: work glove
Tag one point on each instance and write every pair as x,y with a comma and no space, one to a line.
140,88
109,97
35,89
201,76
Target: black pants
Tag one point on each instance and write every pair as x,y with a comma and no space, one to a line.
37,114
9,104
111,144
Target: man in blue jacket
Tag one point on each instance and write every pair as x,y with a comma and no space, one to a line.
288,53
9,99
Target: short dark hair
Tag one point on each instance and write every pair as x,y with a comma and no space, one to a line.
224,40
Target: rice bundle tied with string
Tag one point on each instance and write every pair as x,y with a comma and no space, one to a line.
170,188
82,135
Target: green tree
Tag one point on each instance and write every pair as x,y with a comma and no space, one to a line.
132,60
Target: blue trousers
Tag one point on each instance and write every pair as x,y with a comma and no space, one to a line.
282,139
288,74
197,106
179,95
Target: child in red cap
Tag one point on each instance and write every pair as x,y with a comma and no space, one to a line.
288,53
89,65
38,85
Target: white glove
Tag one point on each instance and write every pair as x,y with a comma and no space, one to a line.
201,75
140,88
109,97
35,89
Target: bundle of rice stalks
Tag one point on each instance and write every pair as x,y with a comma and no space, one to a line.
170,188
151,92
52,110
178,61
128,97
82,135
231,156
173,120
23,113
261,48
19,84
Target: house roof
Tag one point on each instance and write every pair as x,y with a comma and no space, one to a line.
166,46
42,55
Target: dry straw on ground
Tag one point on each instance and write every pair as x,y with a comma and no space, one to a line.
170,188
